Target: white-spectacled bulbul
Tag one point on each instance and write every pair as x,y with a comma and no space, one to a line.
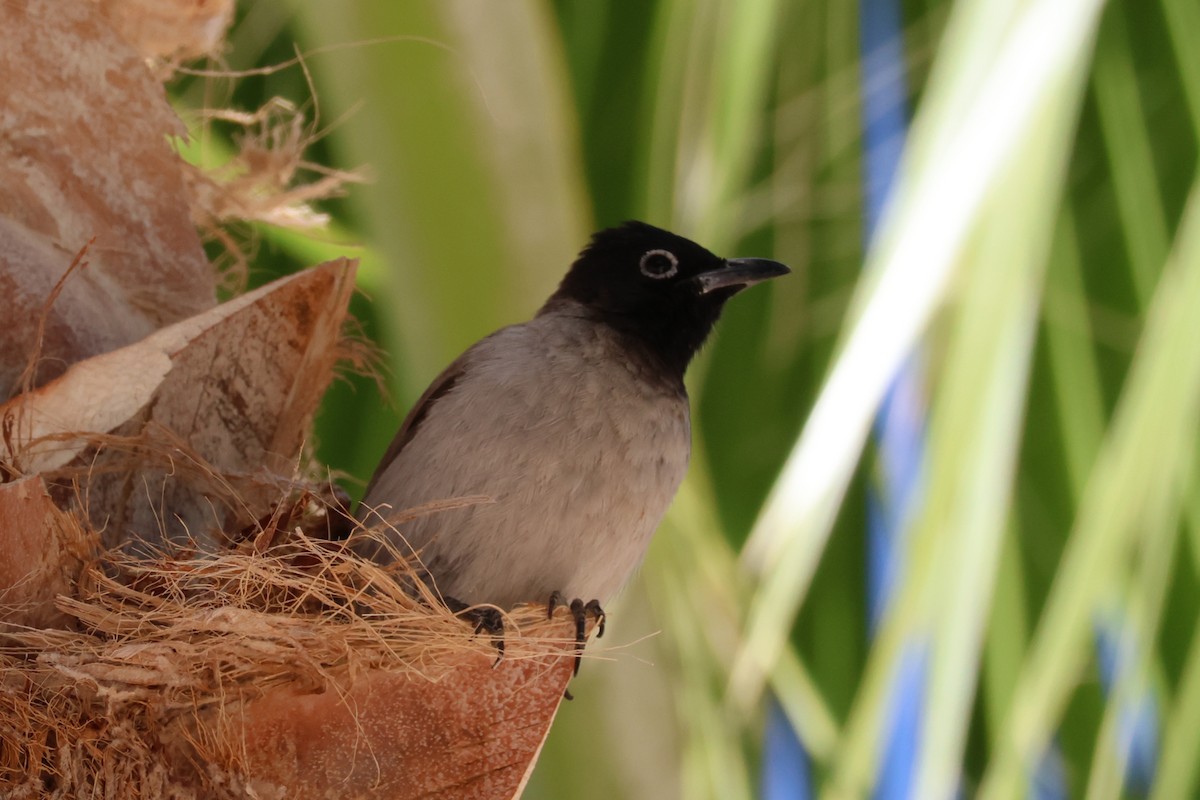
575,424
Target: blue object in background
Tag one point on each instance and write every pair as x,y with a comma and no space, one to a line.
895,487
1138,719
786,769
899,430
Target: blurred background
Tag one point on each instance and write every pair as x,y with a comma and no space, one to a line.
941,532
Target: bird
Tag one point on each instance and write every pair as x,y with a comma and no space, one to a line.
574,425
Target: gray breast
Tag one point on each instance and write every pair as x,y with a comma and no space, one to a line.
579,447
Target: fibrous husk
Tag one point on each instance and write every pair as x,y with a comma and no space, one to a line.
228,653
43,555
233,389
259,182
84,157
262,661
296,672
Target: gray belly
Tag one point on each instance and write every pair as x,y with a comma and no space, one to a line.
579,465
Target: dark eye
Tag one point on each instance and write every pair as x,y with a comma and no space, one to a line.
659,264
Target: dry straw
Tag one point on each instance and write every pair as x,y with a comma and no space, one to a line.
126,701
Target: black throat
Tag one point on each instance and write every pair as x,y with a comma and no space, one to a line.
662,339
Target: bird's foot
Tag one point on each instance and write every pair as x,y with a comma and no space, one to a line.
487,619
580,612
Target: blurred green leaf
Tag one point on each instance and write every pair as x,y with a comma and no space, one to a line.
498,135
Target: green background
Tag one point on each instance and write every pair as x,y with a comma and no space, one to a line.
497,136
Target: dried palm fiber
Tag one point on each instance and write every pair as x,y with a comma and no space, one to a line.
251,660
286,667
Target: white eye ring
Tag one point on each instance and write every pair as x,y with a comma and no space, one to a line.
652,267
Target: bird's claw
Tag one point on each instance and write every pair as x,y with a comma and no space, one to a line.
487,619
580,611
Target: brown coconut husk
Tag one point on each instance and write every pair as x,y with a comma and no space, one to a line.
256,657
285,667
174,619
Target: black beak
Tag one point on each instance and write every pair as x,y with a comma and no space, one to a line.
740,273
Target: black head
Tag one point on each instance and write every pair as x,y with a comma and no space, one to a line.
666,292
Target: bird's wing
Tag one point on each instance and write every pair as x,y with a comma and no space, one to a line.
441,385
